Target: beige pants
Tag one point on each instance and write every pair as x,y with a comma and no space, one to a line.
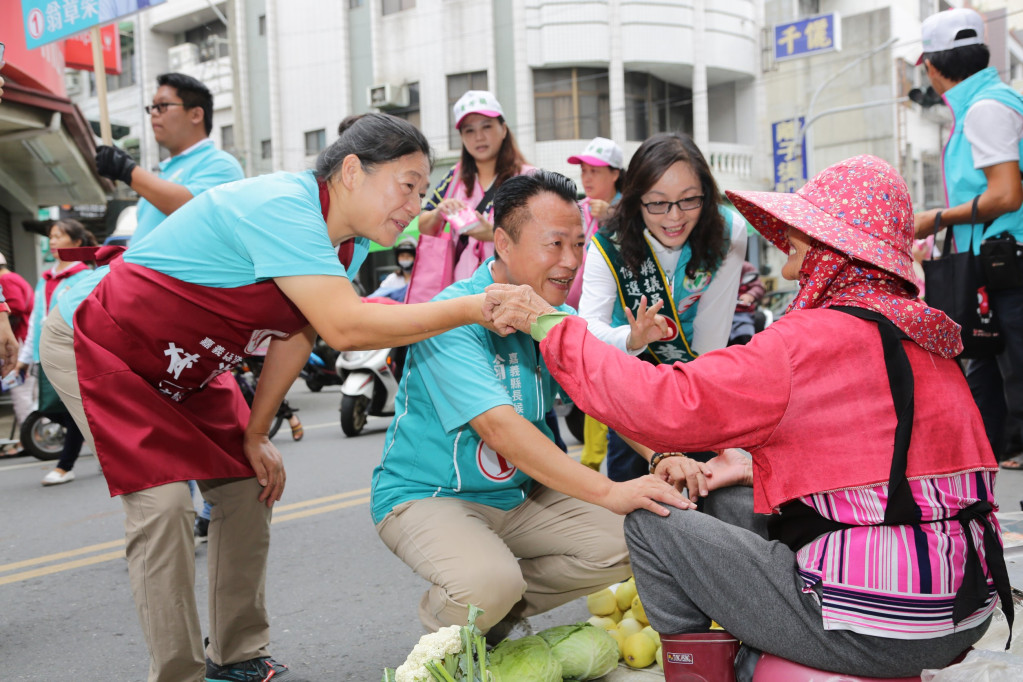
543,553
161,551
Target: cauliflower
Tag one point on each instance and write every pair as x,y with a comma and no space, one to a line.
431,647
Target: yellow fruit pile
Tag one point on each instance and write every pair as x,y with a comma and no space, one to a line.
619,610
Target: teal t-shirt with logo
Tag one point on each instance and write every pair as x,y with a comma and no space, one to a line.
430,449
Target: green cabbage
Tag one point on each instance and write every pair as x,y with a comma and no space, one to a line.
528,658
584,652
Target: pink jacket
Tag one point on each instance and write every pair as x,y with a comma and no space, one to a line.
808,397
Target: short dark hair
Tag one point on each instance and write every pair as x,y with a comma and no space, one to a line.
192,93
511,203
374,138
959,63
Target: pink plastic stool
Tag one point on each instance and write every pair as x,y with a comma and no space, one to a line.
770,668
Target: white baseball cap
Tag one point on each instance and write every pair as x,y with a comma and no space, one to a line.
477,102
600,152
939,30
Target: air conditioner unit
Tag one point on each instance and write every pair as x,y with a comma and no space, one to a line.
183,56
387,96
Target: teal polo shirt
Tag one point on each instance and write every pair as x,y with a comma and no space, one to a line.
198,169
430,449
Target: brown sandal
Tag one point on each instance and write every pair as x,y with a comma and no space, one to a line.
297,431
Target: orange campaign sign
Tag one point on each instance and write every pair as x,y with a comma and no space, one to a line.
78,50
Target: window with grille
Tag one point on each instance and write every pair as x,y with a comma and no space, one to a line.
655,106
315,141
571,104
411,112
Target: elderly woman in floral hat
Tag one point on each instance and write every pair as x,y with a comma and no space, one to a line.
884,557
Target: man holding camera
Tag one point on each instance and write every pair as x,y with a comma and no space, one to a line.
982,160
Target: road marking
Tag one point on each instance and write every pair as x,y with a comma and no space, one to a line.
313,507
60,568
282,513
61,555
320,510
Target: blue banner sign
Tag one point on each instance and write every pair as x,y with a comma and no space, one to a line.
50,20
789,155
807,37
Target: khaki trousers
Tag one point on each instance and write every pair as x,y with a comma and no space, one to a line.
161,551
543,553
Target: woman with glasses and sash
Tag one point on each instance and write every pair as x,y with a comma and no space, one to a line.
670,249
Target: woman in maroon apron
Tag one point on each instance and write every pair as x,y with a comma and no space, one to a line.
260,258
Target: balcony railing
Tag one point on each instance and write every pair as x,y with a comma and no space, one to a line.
735,160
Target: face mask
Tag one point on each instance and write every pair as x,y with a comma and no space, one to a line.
406,265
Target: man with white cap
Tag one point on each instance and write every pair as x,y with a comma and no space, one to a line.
981,165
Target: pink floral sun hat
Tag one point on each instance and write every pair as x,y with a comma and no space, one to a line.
859,207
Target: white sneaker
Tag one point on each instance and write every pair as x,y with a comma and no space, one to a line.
56,478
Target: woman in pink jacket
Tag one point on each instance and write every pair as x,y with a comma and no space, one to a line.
867,451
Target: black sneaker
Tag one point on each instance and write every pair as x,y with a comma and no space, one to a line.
201,528
263,669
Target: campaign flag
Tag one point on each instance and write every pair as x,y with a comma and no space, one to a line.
48,20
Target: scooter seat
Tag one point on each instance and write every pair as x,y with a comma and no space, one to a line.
771,668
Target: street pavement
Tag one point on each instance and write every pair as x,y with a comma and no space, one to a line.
342,605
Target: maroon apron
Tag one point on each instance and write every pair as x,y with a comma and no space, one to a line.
154,355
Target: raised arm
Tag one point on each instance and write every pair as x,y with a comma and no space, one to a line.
728,398
340,317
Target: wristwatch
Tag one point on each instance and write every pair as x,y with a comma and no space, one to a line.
656,458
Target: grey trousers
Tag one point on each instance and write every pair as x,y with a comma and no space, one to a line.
691,568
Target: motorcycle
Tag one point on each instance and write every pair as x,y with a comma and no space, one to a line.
369,382
41,437
320,369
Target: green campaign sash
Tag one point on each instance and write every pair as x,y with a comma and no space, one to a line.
653,283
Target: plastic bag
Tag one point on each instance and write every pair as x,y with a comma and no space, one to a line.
980,666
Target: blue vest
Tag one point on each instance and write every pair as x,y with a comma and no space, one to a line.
962,181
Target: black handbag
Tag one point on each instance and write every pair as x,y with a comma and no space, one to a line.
1002,262
955,285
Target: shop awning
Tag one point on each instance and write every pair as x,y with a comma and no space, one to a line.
46,151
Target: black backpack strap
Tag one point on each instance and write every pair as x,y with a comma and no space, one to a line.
901,507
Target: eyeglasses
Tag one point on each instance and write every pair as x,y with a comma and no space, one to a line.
161,108
662,207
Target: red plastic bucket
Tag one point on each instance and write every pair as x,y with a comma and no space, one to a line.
699,657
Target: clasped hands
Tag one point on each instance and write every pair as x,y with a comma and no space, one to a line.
508,308
730,467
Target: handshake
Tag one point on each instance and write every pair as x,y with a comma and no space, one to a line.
508,308
114,163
